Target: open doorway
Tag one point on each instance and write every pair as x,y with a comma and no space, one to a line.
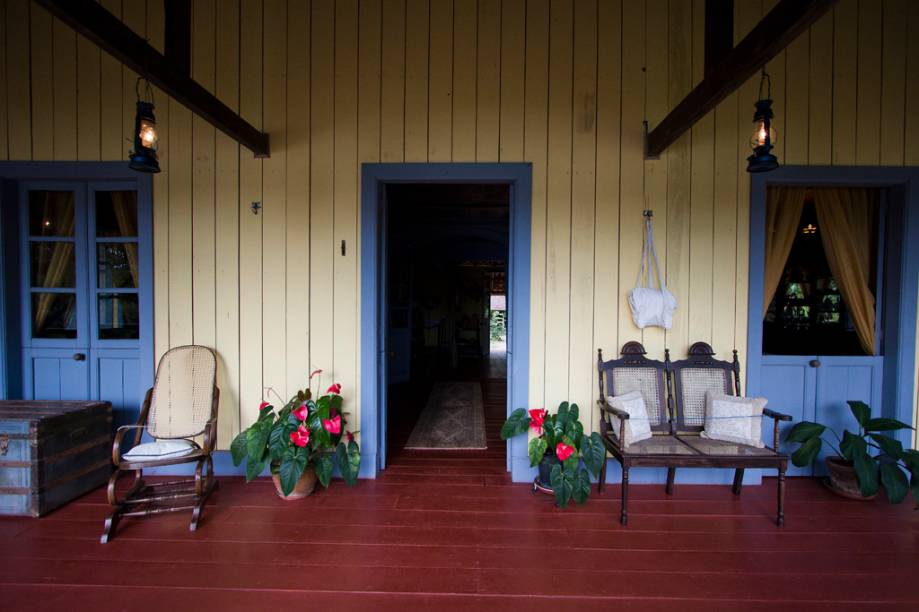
446,314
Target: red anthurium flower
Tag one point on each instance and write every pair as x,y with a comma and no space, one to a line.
301,437
315,373
264,405
333,425
563,451
537,417
336,388
350,437
301,413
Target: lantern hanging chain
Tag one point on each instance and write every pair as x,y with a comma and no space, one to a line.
148,89
764,78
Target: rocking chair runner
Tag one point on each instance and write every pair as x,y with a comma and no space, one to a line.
181,405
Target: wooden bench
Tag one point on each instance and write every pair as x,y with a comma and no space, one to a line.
674,394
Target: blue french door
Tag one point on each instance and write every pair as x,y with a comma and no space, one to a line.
85,272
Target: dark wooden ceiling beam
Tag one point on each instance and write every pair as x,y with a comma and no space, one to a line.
107,31
177,44
719,31
774,32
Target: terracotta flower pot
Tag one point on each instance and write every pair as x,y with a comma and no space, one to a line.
843,480
304,486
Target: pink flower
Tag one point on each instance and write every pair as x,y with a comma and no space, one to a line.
314,373
301,413
336,388
301,437
537,417
264,405
333,425
563,451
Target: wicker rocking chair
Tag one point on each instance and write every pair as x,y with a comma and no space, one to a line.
181,405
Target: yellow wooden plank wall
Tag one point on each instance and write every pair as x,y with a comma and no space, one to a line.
563,84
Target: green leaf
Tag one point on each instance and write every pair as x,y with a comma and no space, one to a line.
254,469
279,440
238,448
581,487
573,412
323,404
851,444
574,431
292,468
914,485
889,446
336,402
561,486
257,440
911,459
884,424
807,452
593,452
349,464
562,414
517,423
866,471
804,431
536,450
324,469
860,411
894,481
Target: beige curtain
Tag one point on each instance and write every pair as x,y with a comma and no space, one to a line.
61,256
783,214
124,203
846,218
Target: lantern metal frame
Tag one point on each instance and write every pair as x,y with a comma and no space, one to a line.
762,159
143,158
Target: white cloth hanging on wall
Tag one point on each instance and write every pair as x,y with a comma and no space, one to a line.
651,306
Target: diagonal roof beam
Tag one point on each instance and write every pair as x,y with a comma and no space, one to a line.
114,37
774,32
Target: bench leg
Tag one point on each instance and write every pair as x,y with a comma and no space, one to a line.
601,481
738,481
624,514
780,519
671,474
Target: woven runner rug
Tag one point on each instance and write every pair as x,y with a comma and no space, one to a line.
453,418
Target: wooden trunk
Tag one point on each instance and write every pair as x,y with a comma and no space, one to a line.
51,453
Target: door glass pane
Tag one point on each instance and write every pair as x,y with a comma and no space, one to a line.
54,315
51,213
118,316
52,264
116,265
116,214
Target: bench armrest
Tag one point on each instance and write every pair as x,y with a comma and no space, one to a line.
622,415
776,416
119,438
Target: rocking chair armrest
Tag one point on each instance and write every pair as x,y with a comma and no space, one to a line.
119,438
210,436
778,416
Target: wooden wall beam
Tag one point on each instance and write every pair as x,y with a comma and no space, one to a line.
104,29
178,34
719,31
774,32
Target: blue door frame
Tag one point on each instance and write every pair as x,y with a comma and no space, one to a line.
899,300
103,175
374,178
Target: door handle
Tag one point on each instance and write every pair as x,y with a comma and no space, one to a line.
79,356
814,363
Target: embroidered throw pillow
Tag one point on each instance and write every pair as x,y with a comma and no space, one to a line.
734,419
637,426
162,449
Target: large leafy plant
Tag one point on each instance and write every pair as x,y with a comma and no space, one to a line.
560,435
303,432
878,459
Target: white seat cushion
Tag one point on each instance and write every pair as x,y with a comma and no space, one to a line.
734,419
161,449
637,426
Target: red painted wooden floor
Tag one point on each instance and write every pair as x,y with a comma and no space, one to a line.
450,531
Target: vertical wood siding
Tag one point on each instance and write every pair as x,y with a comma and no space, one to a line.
562,84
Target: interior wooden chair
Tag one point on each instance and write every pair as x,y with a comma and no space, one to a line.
181,406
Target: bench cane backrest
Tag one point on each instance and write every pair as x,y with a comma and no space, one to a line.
634,372
693,377
183,393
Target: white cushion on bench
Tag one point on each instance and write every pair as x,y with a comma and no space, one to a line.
734,419
637,426
161,449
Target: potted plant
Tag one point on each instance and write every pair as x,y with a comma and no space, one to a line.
301,442
558,449
854,471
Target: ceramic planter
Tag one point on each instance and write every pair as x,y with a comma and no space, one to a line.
843,480
303,488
